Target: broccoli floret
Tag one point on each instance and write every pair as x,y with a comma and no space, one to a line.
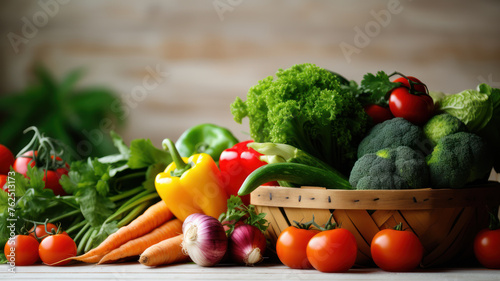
394,168
306,107
391,134
458,159
442,125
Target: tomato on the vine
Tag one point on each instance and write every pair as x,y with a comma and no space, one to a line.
55,248
487,245
332,250
43,153
396,250
411,101
41,230
6,159
21,250
292,244
51,177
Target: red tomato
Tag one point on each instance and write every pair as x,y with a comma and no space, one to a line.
332,250
419,88
487,248
378,113
3,181
21,250
51,177
55,248
40,230
416,107
396,250
6,159
291,247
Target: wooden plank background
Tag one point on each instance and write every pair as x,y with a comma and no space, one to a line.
208,52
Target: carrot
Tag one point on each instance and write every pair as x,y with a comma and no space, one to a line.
153,217
136,246
168,251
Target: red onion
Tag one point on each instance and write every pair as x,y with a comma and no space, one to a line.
204,239
247,245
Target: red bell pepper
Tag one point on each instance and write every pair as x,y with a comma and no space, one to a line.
236,163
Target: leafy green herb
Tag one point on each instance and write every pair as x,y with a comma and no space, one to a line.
375,88
143,154
237,211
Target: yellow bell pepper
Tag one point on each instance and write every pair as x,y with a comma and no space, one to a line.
191,185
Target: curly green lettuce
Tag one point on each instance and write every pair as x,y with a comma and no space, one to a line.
306,107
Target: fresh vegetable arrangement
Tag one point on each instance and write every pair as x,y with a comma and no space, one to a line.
306,107
419,142
89,199
189,200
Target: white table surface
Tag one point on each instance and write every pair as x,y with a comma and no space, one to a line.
136,271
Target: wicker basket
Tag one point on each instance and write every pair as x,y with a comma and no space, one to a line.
445,220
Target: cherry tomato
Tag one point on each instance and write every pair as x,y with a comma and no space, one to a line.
487,248
6,159
51,177
378,113
55,248
3,181
416,107
41,233
291,247
332,250
21,250
396,250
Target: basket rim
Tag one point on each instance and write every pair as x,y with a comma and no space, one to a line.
487,194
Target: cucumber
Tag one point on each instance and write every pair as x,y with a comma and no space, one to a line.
280,153
299,174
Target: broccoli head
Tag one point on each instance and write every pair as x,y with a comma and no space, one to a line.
391,134
458,159
442,125
306,107
390,168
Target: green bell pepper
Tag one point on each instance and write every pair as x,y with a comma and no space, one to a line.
205,138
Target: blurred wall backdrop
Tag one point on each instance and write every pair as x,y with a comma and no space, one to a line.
175,64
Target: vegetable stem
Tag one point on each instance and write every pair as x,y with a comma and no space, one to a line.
126,194
133,199
131,176
83,242
180,165
130,206
133,214
90,241
75,227
68,214
81,232
68,200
